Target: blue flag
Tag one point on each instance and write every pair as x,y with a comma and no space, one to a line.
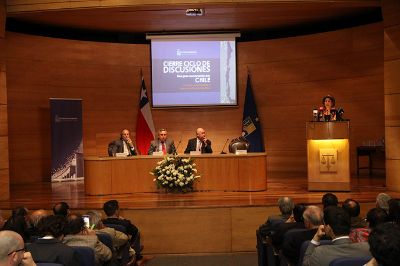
251,128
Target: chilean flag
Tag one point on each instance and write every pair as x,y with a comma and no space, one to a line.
144,123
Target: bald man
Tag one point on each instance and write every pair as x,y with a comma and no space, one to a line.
12,250
123,145
200,143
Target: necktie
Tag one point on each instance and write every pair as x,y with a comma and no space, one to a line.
164,151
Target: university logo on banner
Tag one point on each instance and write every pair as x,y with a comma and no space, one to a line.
251,127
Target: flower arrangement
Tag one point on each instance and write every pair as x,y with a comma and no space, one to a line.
175,174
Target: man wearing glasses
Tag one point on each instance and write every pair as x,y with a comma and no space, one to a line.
12,251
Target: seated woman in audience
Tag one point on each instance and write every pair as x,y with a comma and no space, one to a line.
375,217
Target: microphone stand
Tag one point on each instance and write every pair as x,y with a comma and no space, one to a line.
177,146
222,152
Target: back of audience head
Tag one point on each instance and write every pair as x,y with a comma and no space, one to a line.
53,225
17,224
11,248
329,199
376,216
313,217
2,220
36,216
394,211
298,211
382,201
338,220
95,219
61,208
384,242
111,207
285,205
352,207
75,224
19,211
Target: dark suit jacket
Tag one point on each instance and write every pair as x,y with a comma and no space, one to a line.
155,144
117,146
292,243
281,229
52,250
192,145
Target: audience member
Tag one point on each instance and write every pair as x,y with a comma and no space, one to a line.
48,247
78,235
353,209
382,201
34,220
12,251
329,199
384,242
394,211
295,221
337,227
313,218
286,206
375,217
2,220
111,209
61,208
18,224
119,239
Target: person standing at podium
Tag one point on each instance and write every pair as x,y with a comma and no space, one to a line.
200,143
162,143
327,112
124,145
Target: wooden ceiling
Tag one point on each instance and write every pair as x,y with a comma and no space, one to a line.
228,15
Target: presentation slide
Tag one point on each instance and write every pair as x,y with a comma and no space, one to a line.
193,73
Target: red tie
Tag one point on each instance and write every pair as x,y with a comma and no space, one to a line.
164,151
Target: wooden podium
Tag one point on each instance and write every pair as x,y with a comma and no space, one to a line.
328,156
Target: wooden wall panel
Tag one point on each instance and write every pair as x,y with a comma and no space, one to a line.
289,77
4,161
391,11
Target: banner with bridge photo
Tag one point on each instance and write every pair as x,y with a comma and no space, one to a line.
66,139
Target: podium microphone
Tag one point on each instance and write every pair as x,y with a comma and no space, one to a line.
222,152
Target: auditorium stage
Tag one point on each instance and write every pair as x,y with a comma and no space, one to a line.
43,195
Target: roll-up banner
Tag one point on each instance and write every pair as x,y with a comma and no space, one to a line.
66,139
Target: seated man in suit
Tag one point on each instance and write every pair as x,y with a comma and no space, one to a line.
313,217
200,143
48,248
162,143
123,145
337,227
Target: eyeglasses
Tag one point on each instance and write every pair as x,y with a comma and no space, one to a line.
18,250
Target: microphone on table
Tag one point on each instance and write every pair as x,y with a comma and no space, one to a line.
222,152
177,146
